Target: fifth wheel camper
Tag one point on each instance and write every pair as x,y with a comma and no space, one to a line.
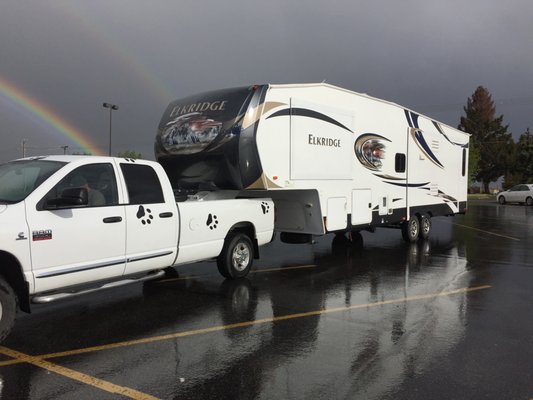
332,160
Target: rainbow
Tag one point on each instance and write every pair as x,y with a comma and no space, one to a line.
36,108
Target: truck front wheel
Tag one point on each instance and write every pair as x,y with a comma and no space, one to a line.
236,257
8,308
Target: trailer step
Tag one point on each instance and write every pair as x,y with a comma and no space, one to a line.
58,296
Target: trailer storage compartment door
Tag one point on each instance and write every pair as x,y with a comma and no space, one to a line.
336,218
321,141
361,206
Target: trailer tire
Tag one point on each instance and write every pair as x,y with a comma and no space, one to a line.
8,308
411,230
236,257
425,226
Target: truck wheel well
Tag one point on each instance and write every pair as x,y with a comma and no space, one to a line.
11,271
249,230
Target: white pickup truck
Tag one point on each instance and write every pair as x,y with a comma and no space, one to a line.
75,224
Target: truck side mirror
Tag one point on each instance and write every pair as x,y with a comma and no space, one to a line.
70,197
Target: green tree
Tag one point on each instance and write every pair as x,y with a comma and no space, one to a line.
491,139
129,154
523,166
473,162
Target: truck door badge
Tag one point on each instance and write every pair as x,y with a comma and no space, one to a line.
21,236
43,234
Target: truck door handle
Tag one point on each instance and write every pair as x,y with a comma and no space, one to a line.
165,215
110,220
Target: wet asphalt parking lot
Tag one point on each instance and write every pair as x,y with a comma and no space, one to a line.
449,318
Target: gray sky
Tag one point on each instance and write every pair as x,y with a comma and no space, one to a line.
59,60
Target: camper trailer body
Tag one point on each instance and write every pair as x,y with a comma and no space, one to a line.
331,159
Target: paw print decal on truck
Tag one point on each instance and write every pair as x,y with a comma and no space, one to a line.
212,221
265,207
141,213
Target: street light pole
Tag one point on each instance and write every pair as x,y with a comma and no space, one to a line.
111,108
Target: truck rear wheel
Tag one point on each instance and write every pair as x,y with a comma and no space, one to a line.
411,229
236,257
8,308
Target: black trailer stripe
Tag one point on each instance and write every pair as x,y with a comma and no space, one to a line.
304,112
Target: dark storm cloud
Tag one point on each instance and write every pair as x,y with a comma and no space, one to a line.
72,56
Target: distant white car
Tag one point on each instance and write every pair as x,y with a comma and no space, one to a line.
517,194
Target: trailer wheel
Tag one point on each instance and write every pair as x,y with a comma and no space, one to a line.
8,308
425,226
236,257
411,230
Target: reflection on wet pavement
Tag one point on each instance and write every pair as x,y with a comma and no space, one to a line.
366,318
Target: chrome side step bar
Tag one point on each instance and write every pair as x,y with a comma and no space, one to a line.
58,296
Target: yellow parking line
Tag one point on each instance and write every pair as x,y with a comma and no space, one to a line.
487,232
252,323
75,375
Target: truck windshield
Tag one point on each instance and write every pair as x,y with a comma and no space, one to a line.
19,178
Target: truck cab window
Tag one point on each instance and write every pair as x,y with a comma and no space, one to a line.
142,183
97,179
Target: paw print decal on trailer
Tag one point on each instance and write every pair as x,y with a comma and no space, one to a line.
141,213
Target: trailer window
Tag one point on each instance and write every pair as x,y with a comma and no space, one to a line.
400,162
142,183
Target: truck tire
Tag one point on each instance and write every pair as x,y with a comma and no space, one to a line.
8,308
411,229
425,226
236,257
